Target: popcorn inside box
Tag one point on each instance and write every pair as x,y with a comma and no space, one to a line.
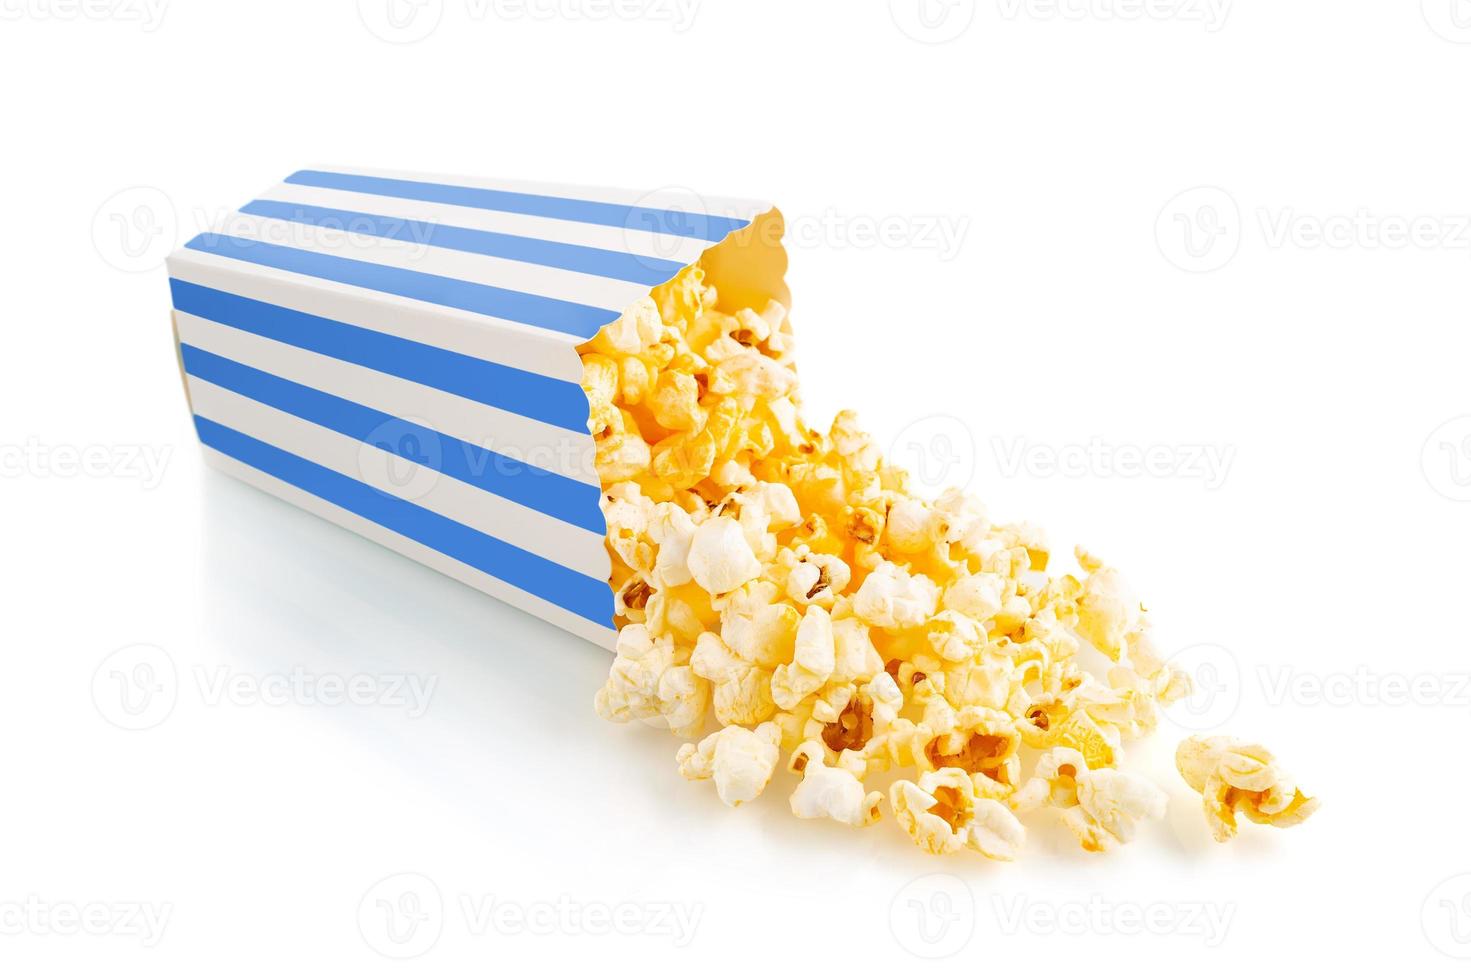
584,402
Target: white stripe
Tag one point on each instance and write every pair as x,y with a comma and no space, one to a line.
546,352
473,577
539,280
572,547
527,440
630,241
667,198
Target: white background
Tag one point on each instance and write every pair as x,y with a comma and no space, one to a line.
1085,303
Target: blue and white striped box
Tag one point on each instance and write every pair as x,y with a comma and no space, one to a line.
397,353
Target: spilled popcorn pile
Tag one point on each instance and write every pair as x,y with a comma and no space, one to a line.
786,582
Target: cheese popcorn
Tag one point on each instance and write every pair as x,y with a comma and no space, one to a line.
1237,777
780,590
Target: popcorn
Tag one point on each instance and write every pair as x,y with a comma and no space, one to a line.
600,381
959,515
635,377
849,718
720,558
640,326
985,681
979,741
627,513
675,401
780,589
1107,610
753,328
672,531
682,613
621,456
753,376
943,814
1096,742
762,510
855,656
911,526
833,792
813,660
818,578
1238,777
758,626
891,598
651,679
741,761
772,507
1101,807
955,636
631,598
978,596
684,458
741,690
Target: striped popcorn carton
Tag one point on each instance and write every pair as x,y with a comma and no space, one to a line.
398,353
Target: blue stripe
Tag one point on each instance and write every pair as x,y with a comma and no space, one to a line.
550,493
685,224
579,594
550,400
642,269
507,304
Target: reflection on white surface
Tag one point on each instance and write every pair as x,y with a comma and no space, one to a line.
283,590
284,586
